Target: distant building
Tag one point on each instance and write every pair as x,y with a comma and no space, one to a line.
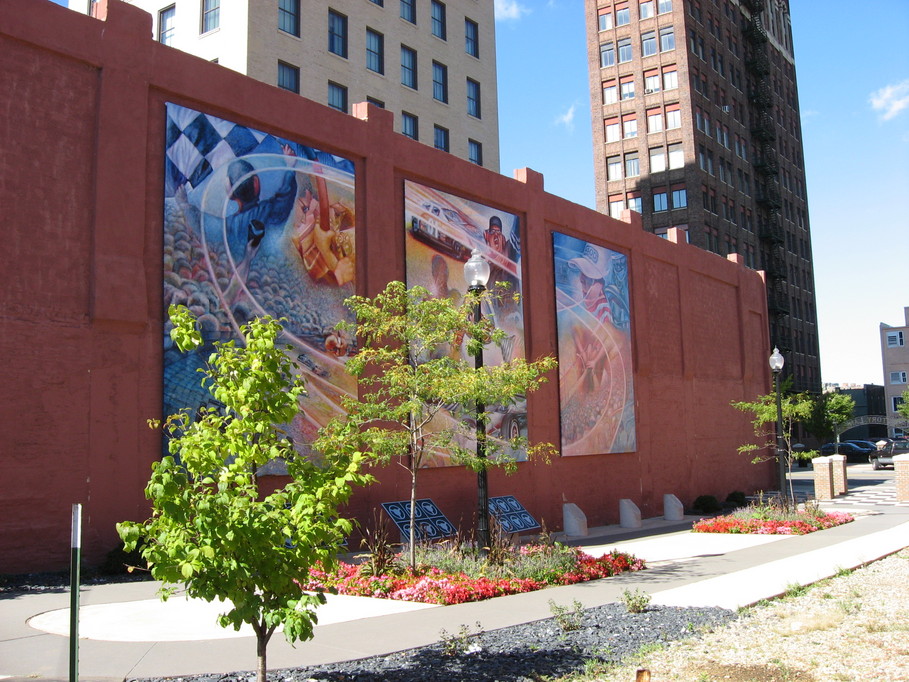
869,401
895,356
696,125
432,63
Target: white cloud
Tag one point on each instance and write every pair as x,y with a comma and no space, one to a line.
567,119
891,99
510,10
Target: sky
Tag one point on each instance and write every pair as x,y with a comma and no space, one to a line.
854,99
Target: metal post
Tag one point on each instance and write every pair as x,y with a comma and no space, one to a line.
75,560
780,449
483,539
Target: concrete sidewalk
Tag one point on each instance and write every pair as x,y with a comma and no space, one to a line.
127,632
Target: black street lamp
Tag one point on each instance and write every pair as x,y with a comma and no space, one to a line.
476,272
776,365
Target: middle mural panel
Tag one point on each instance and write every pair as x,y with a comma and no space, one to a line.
441,232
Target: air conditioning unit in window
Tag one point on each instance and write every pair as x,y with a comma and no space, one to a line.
726,108
649,91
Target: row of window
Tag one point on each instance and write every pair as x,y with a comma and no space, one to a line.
620,14
209,20
625,50
441,137
660,159
289,21
658,120
624,88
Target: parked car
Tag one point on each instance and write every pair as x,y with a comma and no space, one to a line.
884,457
869,444
852,451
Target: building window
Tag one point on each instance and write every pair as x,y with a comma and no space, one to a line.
646,9
375,51
632,165
440,138
379,103
289,16
337,97
473,98
894,339
651,82
676,156
380,3
654,120
628,89
897,377
605,21
288,77
629,126
659,202
409,10
622,16
648,44
471,38
475,152
896,401
408,67
439,28
670,79
410,126
610,93
607,55
211,15
614,168
657,159
664,6
673,119
166,25
337,33
667,39
616,206
625,52
439,82
679,198
634,204
613,133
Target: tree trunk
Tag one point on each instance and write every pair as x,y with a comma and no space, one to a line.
413,516
263,634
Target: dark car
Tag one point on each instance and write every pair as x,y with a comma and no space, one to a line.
884,457
852,451
869,444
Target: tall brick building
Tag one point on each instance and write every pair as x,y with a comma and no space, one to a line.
430,62
696,125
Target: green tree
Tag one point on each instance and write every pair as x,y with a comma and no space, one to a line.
211,527
796,408
412,378
903,407
828,411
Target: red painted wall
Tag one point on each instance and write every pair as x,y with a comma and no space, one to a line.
81,185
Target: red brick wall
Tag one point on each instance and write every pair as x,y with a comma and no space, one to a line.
81,165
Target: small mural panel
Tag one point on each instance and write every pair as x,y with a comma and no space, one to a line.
511,514
429,519
255,224
442,230
593,318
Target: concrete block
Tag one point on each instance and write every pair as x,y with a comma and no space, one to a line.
574,521
629,514
673,510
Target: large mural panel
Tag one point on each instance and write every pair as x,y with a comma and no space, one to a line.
593,319
441,232
253,225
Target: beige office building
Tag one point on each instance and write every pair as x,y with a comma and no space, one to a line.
432,63
895,357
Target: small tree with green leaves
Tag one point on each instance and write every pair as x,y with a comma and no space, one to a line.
212,528
409,383
828,411
903,407
796,408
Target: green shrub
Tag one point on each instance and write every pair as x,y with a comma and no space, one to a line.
707,504
737,497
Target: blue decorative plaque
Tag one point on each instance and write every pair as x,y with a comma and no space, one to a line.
431,522
511,515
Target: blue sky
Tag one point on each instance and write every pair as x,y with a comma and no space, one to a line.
854,98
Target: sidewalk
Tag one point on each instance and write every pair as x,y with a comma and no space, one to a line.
127,632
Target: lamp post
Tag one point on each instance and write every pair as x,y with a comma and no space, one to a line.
776,365
476,272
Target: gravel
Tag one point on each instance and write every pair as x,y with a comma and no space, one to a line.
515,654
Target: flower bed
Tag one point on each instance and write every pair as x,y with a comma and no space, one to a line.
433,586
797,523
